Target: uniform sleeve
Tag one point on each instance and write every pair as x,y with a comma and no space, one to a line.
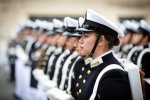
146,64
114,85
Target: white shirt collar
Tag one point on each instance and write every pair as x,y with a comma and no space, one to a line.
67,51
58,50
139,48
98,60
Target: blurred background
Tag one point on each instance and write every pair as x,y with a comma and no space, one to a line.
13,12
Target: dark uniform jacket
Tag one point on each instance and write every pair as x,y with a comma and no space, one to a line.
114,84
33,82
53,65
60,70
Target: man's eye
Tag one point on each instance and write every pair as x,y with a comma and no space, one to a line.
85,35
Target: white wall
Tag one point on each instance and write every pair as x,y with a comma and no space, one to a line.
12,12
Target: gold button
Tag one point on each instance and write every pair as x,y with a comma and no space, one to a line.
79,90
84,81
80,76
83,68
77,85
88,72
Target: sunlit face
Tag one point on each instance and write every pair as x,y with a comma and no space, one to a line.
61,41
42,38
126,39
49,39
137,38
35,34
70,41
55,38
77,47
87,42
26,31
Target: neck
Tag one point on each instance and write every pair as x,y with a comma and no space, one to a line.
144,42
99,53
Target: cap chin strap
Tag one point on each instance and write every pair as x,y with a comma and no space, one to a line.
95,45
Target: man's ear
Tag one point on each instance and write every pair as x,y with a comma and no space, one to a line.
146,38
101,40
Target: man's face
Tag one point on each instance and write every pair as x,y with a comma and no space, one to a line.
49,39
27,31
61,41
55,39
42,38
70,41
77,47
137,37
35,34
126,39
87,42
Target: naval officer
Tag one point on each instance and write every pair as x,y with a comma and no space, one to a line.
99,35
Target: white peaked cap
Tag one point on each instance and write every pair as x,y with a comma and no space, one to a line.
102,20
122,27
28,23
131,25
70,26
70,22
38,23
92,16
65,22
80,21
57,23
46,25
50,26
145,25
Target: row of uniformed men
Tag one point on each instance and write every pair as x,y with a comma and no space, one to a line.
135,46
43,55
50,63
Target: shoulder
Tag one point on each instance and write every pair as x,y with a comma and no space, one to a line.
145,58
114,76
114,82
114,73
145,54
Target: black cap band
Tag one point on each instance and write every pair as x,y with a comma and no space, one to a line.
45,30
70,29
130,31
90,25
141,30
59,30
